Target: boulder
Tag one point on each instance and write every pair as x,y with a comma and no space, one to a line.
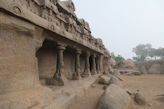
114,80
104,80
139,99
114,97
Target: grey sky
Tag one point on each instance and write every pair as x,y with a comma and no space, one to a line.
123,24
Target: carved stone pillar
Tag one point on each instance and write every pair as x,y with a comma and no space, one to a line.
59,65
76,75
87,66
57,78
93,64
101,63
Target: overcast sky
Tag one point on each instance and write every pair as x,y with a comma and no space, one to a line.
123,24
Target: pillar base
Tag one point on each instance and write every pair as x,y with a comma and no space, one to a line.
86,74
58,82
75,77
94,73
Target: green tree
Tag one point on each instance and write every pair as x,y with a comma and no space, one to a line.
145,51
142,51
153,53
117,58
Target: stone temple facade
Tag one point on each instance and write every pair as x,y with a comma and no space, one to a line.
42,42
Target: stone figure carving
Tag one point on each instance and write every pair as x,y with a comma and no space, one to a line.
70,5
53,1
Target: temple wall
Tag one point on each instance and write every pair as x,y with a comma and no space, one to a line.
18,64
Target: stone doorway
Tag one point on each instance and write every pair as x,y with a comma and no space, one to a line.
97,65
91,62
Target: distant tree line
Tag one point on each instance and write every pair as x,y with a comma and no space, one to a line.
117,58
146,52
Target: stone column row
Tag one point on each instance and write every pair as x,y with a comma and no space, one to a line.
58,78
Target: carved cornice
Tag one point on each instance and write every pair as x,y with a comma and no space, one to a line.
54,16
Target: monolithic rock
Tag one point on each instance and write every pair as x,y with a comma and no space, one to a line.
114,97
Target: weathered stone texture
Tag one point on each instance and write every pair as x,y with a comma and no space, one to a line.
18,64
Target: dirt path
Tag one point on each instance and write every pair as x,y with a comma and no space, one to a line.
151,86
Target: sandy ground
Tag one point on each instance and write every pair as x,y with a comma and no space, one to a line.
151,86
